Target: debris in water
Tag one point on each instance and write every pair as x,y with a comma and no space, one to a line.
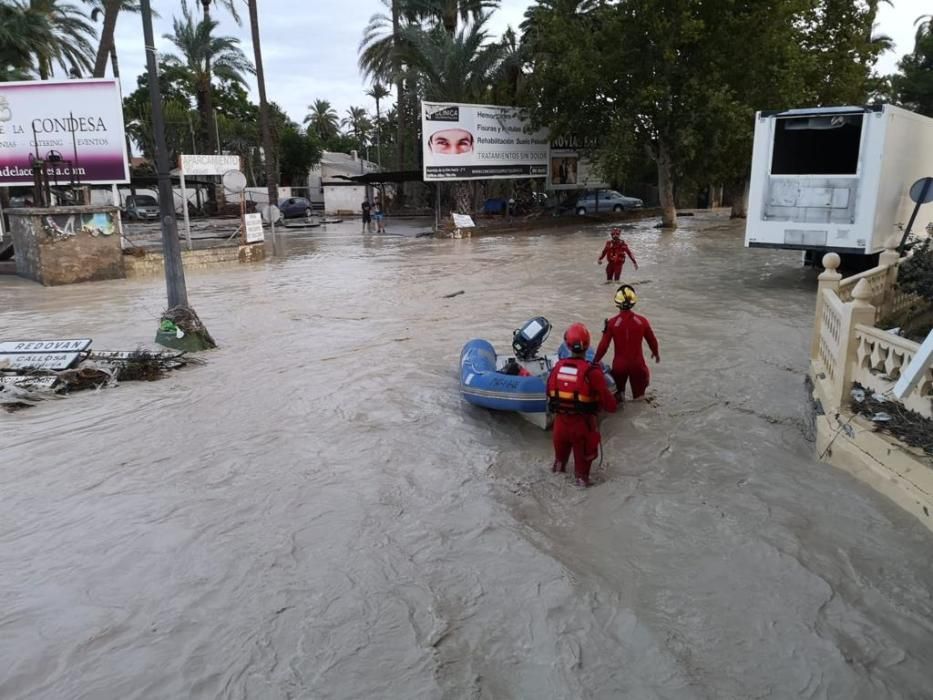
895,419
454,294
95,371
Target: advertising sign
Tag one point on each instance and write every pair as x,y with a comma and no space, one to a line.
207,165
569,168
75,125
254,232
478,142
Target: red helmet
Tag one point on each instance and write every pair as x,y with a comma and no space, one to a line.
616,232
577,338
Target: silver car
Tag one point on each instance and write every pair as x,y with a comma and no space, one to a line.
142,207
605,200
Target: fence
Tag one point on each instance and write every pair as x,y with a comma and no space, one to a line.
848,348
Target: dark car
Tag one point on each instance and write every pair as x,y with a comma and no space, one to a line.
142,207
295,208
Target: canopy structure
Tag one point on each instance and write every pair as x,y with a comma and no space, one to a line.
382,178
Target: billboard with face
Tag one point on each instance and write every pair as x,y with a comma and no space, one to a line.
76,126
478,142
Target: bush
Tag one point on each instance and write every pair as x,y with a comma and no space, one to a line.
915,274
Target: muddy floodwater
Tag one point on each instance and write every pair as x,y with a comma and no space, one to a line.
315,513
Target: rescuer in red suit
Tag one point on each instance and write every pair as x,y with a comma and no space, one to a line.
615,251
627,330
576,392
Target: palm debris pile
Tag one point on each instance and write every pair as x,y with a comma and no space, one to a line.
891,417
181,328
22,387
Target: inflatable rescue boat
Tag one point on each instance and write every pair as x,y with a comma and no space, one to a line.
515,382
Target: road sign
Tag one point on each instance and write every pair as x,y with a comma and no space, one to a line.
207,165
922,190
39,360
34,346
234,181
254,232
45,381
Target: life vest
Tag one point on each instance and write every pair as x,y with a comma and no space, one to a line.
569,391
616,251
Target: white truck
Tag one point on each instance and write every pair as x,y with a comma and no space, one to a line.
837,179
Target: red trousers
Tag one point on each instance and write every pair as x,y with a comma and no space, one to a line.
579,434
638,375
614,270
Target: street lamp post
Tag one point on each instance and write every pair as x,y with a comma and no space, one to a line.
185,330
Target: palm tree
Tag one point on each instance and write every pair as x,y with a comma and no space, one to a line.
378,92
198,46
323,120
69,39
448,13
265,127
22,31
206,9
455,68
358,124
109,10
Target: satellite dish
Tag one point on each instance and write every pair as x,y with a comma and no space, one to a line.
234,181
271,214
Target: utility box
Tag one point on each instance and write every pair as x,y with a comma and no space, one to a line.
836,178
64,245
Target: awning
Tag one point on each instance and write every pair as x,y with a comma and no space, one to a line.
384,177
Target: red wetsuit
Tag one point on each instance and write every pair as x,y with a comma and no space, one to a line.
615,252
577,391
627,330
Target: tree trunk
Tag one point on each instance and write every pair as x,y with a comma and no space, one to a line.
271,186
111,12
462,196
666,187
114,64
740,200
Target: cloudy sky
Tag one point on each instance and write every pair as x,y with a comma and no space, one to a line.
310,47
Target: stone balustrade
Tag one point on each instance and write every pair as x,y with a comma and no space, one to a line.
848,348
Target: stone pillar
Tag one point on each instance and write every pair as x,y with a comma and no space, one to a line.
856,312
828,279
63,245
890,259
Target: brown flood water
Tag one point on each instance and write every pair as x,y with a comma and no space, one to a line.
316,514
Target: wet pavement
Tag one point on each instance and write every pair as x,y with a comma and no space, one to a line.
316,514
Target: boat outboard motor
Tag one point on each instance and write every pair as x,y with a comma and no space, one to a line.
528,339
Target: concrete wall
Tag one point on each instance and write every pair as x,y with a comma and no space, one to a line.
151,263
65,245
343,199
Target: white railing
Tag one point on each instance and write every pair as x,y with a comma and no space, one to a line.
848,348
880,357
830,330
880,280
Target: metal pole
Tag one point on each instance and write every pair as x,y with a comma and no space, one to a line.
437,207
913,216
184,206
171,250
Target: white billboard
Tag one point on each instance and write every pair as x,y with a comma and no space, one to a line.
76,126
570,168
207,165
479,142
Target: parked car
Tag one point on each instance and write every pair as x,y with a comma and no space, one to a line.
141,207
295,208
605,200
